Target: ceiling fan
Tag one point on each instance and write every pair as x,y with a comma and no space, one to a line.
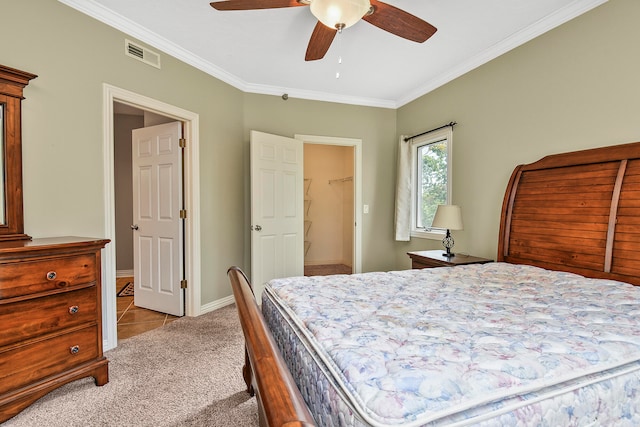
336,15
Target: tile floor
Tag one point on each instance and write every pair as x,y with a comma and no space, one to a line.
134,320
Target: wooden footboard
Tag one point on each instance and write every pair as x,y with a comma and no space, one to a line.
265,372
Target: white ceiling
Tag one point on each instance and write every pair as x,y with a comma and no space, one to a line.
263,51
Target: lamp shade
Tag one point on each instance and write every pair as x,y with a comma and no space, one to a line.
448,217
338,14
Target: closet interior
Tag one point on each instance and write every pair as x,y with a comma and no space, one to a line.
329,209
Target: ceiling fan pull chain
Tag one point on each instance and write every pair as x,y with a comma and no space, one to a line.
339,52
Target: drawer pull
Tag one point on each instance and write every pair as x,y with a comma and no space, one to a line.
75,349
73,309
51,275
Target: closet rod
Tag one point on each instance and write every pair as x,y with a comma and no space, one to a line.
450,124
348,178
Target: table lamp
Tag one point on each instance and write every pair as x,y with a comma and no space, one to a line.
448,217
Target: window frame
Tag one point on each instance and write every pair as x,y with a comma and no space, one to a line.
416,143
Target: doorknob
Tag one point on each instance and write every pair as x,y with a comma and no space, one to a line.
257,228
134,227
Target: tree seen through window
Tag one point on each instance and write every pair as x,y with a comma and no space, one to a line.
432,181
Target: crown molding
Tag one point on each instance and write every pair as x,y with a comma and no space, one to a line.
550,22
119,22
130,28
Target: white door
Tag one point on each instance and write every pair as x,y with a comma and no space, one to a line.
157,202
277,209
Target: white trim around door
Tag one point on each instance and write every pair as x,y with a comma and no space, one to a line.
193,307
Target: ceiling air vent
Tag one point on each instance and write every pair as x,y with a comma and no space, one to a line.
141,53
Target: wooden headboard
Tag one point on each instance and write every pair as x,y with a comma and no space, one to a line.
577,212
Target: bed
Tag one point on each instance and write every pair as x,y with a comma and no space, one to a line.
547,335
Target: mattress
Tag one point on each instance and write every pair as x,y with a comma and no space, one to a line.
492,345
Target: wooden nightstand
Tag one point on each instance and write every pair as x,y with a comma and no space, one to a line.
430,259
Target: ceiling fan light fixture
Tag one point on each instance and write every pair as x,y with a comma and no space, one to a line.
339,14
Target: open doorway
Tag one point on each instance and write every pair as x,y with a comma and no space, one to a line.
126,118
277,209
338,188
112,96
329,209
140,233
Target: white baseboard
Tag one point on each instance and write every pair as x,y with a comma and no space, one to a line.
329,262
212,306
124,273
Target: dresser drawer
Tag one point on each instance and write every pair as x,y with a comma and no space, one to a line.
39,316
24,364
42,275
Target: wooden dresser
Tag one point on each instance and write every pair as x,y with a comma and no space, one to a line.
50,318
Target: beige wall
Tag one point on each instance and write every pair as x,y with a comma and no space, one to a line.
73,56
376,128
63,137
575,87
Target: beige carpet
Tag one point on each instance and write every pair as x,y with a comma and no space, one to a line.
187,373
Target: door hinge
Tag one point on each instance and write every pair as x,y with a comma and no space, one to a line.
183,213
182,143
183,284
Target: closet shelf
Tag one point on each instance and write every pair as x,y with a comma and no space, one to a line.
307,220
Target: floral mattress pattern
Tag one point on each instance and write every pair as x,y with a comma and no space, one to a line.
418,347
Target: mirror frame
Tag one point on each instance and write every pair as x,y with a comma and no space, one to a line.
12,84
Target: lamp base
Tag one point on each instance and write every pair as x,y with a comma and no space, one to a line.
447,242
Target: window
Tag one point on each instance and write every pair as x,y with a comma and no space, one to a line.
430,179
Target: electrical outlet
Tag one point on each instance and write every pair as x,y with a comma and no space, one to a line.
365,209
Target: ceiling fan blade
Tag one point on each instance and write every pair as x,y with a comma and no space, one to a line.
320,42
398,22
255,4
